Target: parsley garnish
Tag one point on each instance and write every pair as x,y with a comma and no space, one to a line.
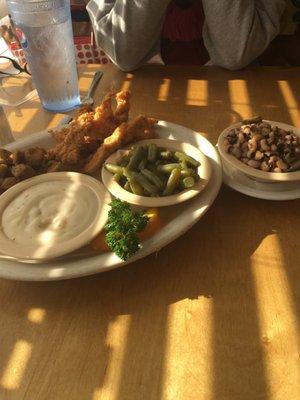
122,227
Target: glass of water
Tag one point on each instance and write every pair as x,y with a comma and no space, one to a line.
45,31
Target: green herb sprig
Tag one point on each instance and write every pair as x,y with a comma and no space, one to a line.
122,227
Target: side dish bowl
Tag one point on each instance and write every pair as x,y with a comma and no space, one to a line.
51,215
204,171
254,173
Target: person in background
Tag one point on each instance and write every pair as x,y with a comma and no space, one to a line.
229,33
285,48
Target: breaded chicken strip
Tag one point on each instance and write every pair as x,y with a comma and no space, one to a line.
140,128
123,106
96,124
85,133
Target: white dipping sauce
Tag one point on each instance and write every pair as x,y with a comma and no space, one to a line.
49,213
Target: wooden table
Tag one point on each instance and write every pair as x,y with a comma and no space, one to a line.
213,316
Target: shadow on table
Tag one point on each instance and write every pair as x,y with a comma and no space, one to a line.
114,335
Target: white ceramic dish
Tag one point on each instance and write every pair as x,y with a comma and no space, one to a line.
184,216
242,183
252,172
52,201
204,172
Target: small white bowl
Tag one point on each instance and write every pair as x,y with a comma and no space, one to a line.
44,241
253,173
204,171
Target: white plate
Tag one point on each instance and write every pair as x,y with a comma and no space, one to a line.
262,190
63,188
204,171
256,173
185,216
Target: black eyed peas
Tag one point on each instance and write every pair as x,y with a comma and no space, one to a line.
262,146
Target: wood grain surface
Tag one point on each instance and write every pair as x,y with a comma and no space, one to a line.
213,316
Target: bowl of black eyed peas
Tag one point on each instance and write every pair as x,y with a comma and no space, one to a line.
156,172
266,151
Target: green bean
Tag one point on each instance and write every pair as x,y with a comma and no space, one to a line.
151,167
172,182
187,172
152,171
118,177
184,157
114,169
159,175
163,177
168,168
188,182
127,187
183,164
143,164
134,185
136,188
136,158
152,152
151,189
153,178
166,155
124,161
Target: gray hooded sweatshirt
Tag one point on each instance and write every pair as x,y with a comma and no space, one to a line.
235,32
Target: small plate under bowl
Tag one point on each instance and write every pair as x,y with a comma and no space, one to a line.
277,191
253,173
57,213
204,171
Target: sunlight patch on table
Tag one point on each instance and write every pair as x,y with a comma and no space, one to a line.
290,101
196,93
276,318
13,374
164,89
116,340
238,89
189,351
36,315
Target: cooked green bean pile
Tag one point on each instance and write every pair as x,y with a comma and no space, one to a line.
155,171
